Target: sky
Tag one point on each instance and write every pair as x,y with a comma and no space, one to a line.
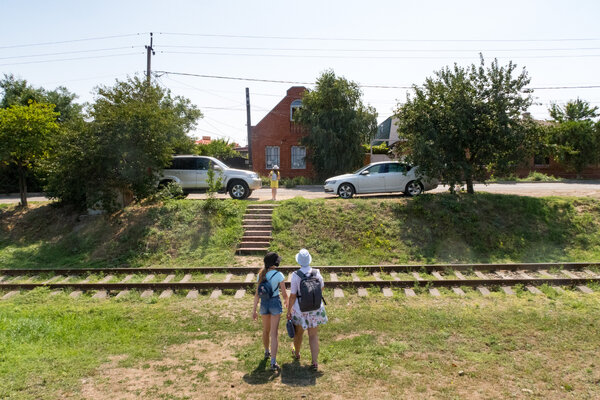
384,46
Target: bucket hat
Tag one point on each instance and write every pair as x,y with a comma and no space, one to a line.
275,166
303,258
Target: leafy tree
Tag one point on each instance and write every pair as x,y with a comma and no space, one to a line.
26,134
133,129
219,148
574,135
464,124
19,92
338,124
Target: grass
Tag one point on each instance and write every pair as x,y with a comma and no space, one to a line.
534,176
439,228
172,233
55,347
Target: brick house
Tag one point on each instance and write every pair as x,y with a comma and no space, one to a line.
275,140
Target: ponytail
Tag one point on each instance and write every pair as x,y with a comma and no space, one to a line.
262,274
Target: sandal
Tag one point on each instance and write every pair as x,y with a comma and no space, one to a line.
314,367
275,367
267,354
295,356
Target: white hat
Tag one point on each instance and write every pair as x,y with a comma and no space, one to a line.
275,166
303,258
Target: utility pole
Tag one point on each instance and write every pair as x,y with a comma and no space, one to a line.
149,54
249,127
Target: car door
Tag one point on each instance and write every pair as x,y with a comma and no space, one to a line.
395,178
201,171
373,181
184,169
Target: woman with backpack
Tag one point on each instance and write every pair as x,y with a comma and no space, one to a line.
270,283
309,312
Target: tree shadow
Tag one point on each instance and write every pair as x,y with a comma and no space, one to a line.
261,374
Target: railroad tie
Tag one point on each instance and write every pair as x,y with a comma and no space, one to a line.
192,294
460,276
417,276
123,293
186,278
409,292
242,292
31,279
337,292
167,292
587,271
545,274
434,291
507,289
362,292
480,275
66,280
147,293
75,294
102,294
582,288
216,293
394,276
483,290
387,292
534,290
2,278
558,289
10,294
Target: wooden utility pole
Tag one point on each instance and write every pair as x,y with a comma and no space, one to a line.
249,127
149,54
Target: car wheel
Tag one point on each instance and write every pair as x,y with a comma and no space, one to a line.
413,188
239,190
346,191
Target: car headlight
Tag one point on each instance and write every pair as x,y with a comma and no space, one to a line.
329,182
254,176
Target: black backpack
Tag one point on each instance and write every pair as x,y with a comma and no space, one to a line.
310,293
265,289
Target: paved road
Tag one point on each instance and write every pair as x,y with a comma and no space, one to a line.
578,189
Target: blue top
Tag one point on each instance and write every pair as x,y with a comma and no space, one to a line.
275,278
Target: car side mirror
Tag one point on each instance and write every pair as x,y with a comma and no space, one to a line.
365,172
217,168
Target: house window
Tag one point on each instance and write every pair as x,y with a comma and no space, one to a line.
296,104
272,156
298,157
541,160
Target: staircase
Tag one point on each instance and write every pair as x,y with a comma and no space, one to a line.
257,229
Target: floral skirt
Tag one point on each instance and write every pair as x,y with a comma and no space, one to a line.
309,319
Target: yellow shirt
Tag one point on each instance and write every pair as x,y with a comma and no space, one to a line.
274,176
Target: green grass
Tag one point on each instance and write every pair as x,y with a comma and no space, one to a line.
56,347
534,176
439,228
173,233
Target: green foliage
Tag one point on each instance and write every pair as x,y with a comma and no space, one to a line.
466,123
134,129
574,136
220,149
171,233
169,191
338,125
26,136
379,149
439,229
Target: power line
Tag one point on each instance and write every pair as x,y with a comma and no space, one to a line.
72,59
383,40
372,57
363,86
377,50
68,52
71,41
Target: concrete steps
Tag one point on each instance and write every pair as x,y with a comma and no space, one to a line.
257,225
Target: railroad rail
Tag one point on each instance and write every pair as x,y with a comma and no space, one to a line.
196,280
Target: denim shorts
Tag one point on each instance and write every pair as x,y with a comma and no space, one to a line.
271,306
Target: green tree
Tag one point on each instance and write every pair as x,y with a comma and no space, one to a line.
338,124
133,130
219,148
574,135
26,135
464,124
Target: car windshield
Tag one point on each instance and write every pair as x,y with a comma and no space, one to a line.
219,163
358,170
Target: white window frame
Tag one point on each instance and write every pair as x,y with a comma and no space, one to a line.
298,157
295,104
272,156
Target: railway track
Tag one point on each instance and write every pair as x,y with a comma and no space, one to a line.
212,281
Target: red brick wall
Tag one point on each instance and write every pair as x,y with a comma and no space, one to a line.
276,129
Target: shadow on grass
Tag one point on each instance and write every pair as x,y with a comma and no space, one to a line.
292,374
261,374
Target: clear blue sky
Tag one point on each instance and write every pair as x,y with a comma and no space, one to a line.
390,43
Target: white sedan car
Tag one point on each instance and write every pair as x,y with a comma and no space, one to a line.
386,176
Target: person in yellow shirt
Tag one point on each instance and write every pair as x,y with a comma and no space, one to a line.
274,177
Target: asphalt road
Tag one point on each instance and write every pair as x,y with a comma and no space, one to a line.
535,189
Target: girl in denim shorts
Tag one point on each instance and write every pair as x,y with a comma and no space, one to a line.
270,310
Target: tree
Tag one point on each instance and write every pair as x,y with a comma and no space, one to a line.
466,123
26,134
133,129
219,148
574,135
338,124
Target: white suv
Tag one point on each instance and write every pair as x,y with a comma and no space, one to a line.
191,173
